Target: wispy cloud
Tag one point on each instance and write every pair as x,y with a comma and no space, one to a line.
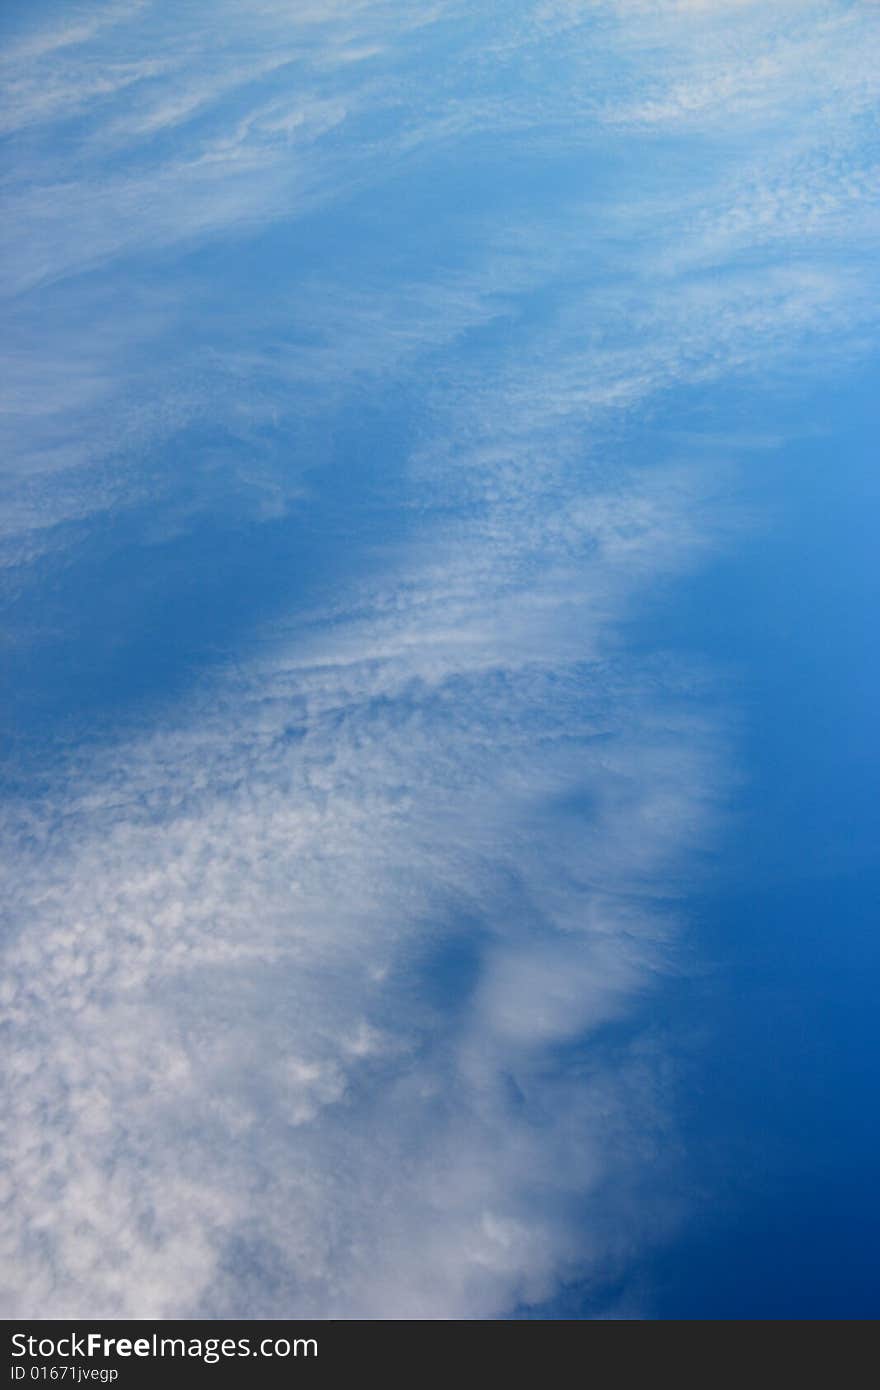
256,903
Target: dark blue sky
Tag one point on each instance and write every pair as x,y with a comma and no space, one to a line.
776,1034
783,1130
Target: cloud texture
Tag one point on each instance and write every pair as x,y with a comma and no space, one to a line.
328,969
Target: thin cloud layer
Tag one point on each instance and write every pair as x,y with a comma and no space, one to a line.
328,961
245,982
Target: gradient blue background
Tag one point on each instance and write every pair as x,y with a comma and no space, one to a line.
517,394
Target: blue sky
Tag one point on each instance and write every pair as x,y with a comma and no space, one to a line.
437,572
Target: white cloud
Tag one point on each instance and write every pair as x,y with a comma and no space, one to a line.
219,986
